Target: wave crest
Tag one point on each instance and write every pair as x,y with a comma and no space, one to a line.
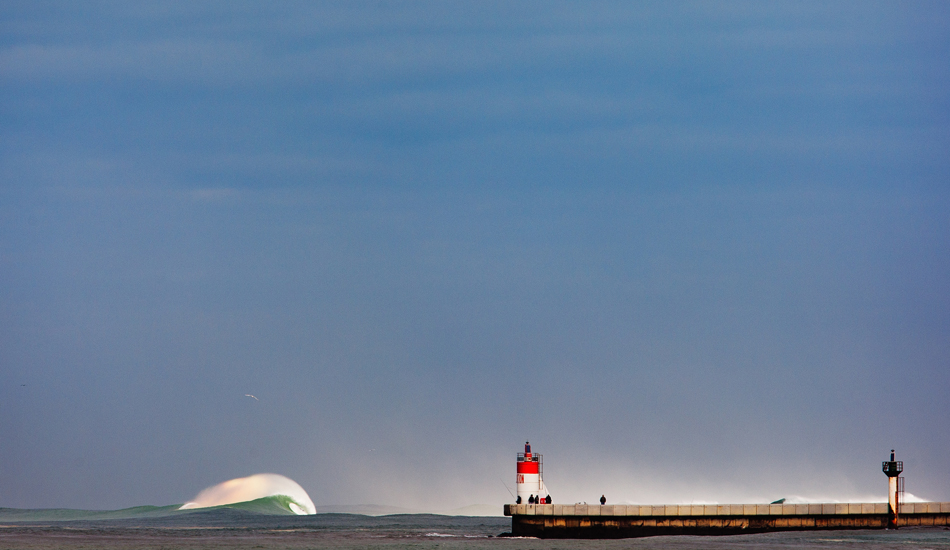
244,489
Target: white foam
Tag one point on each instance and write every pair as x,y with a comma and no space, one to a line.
244,489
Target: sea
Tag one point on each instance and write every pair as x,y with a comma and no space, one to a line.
261,525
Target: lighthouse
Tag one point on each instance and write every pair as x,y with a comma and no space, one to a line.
529,483
895,486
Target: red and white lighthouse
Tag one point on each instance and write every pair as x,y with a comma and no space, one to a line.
529,483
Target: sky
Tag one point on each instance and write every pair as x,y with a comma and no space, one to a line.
692,251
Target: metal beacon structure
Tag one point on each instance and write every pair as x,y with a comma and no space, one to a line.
529,484
895,488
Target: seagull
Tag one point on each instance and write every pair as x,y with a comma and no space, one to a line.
249,395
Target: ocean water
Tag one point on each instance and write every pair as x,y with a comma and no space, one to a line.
249,528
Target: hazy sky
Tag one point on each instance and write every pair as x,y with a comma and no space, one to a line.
692,251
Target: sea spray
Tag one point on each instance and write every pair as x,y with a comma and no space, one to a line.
251,488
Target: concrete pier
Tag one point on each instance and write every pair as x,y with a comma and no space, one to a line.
624,521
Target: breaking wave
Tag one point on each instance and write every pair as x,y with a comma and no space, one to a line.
257,486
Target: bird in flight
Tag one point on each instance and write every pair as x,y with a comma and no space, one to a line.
249,395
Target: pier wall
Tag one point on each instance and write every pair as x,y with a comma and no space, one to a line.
623,521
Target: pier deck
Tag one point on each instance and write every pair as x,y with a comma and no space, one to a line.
623,521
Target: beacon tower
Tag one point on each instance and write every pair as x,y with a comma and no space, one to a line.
895,486
529,483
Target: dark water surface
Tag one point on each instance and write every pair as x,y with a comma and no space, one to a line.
240,530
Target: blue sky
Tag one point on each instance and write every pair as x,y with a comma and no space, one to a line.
708,241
